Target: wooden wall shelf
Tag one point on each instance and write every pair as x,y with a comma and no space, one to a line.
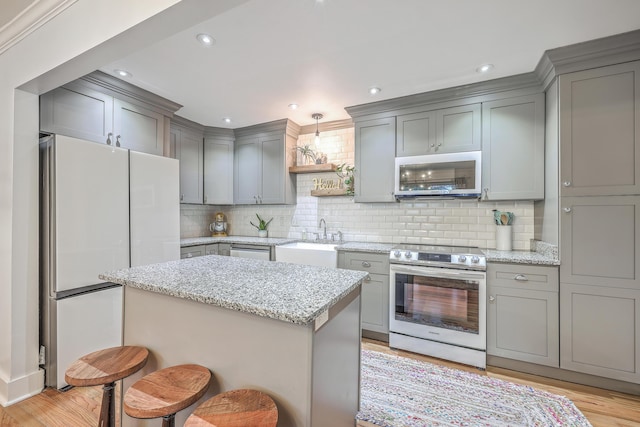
329,192
324,167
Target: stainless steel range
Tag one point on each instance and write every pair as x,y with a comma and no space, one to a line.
438,302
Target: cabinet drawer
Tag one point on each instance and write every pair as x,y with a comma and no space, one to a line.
192,251
211,249
373,263
540,278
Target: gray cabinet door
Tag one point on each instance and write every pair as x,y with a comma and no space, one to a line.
600,241
600,131
139,128
192,251
522,313
247,171
78,112
513,148
218,171
600,331
458,129
273,170
188,149
416,134
375,147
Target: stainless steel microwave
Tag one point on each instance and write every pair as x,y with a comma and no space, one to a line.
448,174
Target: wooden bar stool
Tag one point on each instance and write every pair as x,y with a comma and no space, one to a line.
163,393
105,367
235,408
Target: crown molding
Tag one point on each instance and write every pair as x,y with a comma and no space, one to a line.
30,19
327,126
283,125
186,123
214,132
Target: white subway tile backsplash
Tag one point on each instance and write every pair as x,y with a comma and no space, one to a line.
450,222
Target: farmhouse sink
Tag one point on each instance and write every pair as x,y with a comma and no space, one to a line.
320,254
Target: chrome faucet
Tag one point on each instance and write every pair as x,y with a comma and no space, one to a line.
324,233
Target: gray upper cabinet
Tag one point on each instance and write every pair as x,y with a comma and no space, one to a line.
138,128
262,156
513,148
103,109
522,313
218,169
375,147
447,130
600,131
189,151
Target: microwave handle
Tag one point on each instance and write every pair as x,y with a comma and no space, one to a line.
438,272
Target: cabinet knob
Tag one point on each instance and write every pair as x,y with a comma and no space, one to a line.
366,264
181,197
566,210
567,183
521,278
189,255
118,141
491,298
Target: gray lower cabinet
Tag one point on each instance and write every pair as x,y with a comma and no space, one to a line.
262,156
522,313
192,251
375,147
600,331
513,148
600,131
189,151
446,130
81,110
218,169
375,289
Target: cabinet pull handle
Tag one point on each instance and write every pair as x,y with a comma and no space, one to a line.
189,255
256,199
521,278
367,279
491,298
567,183
486,193
181,197
567,210
109,135
366,264
118,141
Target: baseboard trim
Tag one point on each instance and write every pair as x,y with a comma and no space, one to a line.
21,388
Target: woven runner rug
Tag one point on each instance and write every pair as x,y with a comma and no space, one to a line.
401,392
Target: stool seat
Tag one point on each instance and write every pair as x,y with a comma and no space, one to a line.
106,366
235,408
167,391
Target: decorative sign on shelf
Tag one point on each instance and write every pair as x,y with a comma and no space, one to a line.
328,187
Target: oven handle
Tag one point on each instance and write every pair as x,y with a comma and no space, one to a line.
438,272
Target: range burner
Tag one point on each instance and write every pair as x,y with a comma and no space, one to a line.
458,257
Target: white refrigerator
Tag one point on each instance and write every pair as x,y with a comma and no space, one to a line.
102,208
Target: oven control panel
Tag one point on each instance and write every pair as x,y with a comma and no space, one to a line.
471,261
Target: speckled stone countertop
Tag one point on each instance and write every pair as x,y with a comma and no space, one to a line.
278,290
381,248
267,241
543,254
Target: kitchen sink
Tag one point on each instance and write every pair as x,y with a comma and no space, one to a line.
309,253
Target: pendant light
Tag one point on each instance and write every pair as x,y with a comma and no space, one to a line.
317,116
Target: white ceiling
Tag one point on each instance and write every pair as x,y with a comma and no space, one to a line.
325,55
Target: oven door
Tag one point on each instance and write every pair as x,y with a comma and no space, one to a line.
439,304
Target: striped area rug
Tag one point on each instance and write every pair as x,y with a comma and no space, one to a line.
401,392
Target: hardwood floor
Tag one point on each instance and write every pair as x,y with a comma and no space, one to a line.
80,407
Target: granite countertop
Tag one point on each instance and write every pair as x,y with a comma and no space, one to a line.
289,292
267,241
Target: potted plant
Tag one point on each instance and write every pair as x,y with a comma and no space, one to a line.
309,156
262,226
345,172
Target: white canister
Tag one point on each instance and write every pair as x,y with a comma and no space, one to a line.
503,237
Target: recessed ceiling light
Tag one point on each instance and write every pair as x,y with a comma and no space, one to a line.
123,73
374,90
484,68
206,39
293,106
227,120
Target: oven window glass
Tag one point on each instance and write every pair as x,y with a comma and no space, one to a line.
439,302
443,177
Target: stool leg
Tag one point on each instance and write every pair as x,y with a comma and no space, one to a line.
108,410
169,420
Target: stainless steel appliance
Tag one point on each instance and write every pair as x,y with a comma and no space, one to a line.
438,302
448,174
250,251
102,208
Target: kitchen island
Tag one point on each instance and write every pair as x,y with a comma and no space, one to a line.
292,331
